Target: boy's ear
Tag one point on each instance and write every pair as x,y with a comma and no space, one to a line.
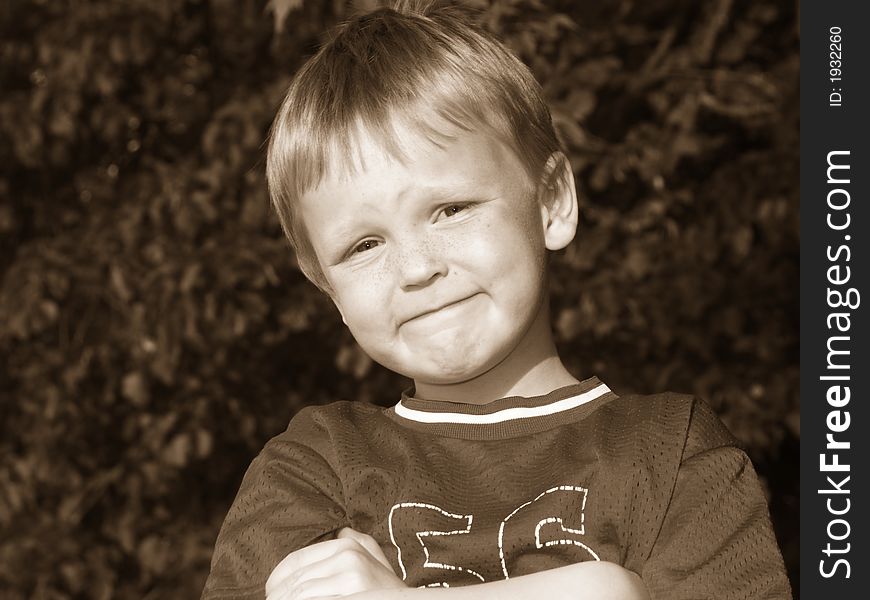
557,195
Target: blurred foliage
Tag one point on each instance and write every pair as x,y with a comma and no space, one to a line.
154,328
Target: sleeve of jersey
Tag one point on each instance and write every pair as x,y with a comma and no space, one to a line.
289,498
716,539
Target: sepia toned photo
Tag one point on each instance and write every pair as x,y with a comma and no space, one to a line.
482,299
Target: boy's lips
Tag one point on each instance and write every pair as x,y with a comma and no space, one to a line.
416,316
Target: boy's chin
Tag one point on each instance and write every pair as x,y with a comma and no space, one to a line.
455,374
448,368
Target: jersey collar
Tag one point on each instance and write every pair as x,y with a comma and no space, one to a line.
506,417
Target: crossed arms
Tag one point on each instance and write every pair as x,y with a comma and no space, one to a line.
353,566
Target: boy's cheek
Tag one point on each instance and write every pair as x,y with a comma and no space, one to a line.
358,288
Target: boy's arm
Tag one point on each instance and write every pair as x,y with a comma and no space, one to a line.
290,498
353,566
716,539
590,580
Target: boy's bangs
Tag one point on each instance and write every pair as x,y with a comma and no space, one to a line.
439,119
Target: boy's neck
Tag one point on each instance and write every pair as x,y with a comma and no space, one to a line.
532,369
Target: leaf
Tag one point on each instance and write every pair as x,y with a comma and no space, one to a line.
281,9
135,389
353,360
204,443
177,451
119,283
153,554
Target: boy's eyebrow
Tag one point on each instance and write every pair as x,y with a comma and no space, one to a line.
441,194
339,236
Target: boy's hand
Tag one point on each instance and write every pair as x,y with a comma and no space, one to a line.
353,562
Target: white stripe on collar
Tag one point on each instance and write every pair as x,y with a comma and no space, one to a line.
507,414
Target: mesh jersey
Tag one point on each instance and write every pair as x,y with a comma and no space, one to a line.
458,494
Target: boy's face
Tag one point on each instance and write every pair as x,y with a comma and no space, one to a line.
437,263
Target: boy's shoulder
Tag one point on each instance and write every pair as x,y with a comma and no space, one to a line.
340,415
668,417
338,410
320,426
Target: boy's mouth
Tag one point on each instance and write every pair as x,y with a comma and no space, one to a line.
437,309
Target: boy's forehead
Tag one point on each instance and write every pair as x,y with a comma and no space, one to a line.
407,140
395,140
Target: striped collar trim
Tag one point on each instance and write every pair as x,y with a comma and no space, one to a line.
464,414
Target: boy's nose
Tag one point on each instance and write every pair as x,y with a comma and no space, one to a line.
419,264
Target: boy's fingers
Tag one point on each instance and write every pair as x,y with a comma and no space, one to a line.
337,575
304,557
330,569
311,589
290,568
367,542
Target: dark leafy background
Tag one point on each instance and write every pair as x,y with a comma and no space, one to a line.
154,328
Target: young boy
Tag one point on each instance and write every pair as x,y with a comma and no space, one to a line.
415,169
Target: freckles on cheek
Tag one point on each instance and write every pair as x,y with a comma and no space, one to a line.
365,295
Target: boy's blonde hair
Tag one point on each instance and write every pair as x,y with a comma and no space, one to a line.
424,65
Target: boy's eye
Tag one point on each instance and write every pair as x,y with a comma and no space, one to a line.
453,209
366,245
